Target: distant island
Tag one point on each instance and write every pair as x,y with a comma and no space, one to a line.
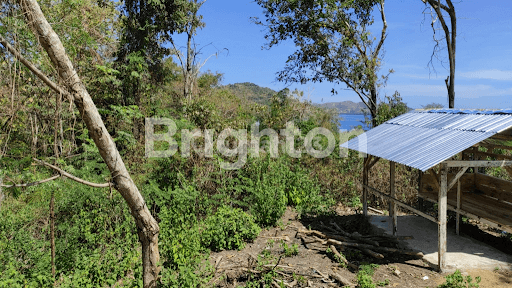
262,95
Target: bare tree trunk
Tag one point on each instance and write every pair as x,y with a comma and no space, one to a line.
451,52
146,225
450,37
188,70
373,105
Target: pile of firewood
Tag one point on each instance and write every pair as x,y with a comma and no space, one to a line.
372,245
377,246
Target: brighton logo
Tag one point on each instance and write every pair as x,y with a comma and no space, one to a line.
235,143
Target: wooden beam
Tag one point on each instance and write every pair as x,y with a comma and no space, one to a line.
442,209
478,163
367,160
392,209
403,205
493,155
457,228
502,137
509,171
375,160
433,174
457,177
365,184
474,216
494,146
420,184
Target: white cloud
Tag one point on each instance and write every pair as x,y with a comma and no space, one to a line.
493,74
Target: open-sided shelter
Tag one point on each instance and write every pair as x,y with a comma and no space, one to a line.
443,145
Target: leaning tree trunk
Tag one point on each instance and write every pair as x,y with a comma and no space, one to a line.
146,225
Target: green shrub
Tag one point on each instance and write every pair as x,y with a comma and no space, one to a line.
305,194
456,280
365,274
183,257
265,181
290,250
229,228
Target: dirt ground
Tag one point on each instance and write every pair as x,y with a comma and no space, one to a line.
312,265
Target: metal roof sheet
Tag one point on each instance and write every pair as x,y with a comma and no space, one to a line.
467,111
423,139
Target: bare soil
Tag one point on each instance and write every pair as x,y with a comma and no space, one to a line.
312,266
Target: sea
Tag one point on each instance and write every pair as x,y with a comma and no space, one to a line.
351,121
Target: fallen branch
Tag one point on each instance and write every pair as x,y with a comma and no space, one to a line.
341,280
66,174
322,235
372,253
353,236
375,210
359,246
342,258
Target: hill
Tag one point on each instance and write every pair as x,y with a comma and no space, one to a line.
252,92
345,107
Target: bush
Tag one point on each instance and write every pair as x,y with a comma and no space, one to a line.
265,180
229,228
183,257
304,193
456,280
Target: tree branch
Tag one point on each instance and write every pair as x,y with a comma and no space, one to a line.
384,28
66,174
30,184
33,68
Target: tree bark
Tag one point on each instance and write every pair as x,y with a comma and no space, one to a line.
146,225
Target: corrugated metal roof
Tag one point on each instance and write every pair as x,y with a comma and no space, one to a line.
423,139
467,111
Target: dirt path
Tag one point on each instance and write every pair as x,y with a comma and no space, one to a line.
270,257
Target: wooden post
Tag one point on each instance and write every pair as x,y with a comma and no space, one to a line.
457,228
365,183
459,217
420,200
392,207
442,206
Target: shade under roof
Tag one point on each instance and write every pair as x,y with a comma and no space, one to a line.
423,139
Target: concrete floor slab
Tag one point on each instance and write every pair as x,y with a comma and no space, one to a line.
463,252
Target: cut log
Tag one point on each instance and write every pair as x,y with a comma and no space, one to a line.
355,237
342,258
371,253
414,253
341,280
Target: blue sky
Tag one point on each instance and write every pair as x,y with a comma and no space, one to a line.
483,62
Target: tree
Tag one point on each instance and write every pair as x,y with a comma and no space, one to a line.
189,61
437,8
190,71
432,106
393,108
148,26
148,228
333,43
